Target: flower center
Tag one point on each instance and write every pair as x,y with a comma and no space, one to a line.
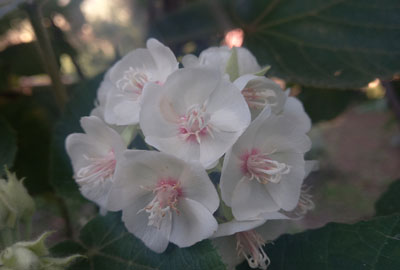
194,125
133,81
166,197
250,245
258,97
100,169
259,166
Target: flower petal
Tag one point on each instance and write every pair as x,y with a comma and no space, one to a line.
231,174
294,109
163,57
192,224
136,222
250,200
234,226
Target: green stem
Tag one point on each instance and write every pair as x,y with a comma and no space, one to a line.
46,52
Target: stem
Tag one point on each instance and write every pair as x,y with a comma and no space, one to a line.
392,98
46,52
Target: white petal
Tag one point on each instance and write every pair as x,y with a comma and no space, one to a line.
286,193
197,186
136,222
193,223
190,60
139,58
120,110
163,57
99,131
294,109
234,226
97,192
250,200
157,117
247,61
190,86
231,174
272,229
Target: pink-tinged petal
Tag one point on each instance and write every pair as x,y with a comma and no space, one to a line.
137,173
192,224
136,221
250,200
163,57
197,186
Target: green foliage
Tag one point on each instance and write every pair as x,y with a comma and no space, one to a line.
323,43
326,104
373,244
32,123
108,245
8,145
80,105
389,202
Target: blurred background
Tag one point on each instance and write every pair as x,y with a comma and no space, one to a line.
58,50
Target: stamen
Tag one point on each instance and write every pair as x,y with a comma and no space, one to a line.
305,203
250,245
133,81
194,125
100,169
259,166
167,193
258,97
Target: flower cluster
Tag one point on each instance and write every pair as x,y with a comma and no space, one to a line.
218,110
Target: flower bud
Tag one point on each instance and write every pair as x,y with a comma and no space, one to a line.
33,255
15,202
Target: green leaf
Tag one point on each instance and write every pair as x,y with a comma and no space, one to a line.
32,123
373,244
323,43
80,105
108,246
389,202
326,104
8,145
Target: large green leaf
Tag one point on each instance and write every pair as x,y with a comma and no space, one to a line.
323,43
389,202
372,245
32,123
108,246
80,105
8,145
326,104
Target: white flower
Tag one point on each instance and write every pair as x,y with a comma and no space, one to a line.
259,92
164,199
239,240
93,156
264,170
294,109
218,57
127,78
195,115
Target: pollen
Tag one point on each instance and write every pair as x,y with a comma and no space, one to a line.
193,126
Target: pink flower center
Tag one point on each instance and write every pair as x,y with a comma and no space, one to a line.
194,125
258,97
259,166
100,169
166,196
133,81
250,245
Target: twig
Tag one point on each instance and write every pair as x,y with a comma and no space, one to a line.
46,52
